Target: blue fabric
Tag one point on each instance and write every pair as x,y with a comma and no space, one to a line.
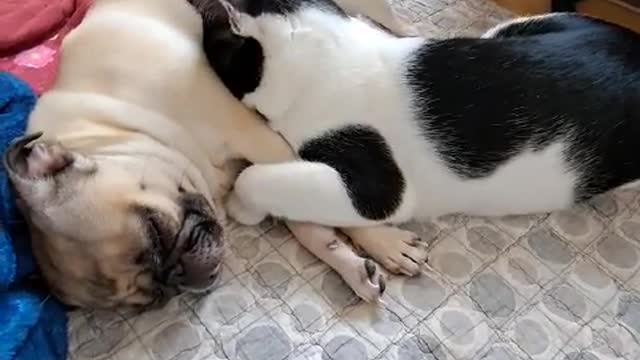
33,325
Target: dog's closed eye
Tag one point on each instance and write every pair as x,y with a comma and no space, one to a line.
160,235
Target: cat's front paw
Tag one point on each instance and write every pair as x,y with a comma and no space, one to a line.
241,212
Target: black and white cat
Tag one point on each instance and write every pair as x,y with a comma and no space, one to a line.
537,114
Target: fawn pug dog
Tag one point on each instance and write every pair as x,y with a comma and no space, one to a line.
537,114
127,158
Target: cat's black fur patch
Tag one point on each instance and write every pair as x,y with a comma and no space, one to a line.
364,160
480,102
237,60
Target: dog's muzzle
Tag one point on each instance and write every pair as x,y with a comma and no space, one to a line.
193,261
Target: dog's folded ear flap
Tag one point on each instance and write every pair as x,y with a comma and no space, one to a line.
16,148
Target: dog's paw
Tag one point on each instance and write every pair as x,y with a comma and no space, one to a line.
407,253
399,251
366,280
242,213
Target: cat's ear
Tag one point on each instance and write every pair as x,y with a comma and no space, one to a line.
236,19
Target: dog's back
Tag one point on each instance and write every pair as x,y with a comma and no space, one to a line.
145,42
156,45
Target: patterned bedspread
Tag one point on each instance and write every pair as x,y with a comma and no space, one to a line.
564,286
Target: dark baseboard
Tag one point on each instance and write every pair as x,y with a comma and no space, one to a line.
564,5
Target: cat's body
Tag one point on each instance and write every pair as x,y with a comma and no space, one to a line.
532,118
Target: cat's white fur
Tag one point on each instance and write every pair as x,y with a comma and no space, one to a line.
322,72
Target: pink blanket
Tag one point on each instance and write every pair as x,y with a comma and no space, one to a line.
31,32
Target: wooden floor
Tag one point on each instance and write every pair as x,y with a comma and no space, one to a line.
612,10
525,7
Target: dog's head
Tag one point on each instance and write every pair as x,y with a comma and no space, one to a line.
111,232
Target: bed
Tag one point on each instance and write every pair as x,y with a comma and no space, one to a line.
563,286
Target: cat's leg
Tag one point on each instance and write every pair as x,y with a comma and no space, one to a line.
298,191
314,192
350,179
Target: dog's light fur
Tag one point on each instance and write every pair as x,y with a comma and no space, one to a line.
142,114
134,97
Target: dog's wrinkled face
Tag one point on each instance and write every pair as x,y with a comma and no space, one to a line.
105,237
